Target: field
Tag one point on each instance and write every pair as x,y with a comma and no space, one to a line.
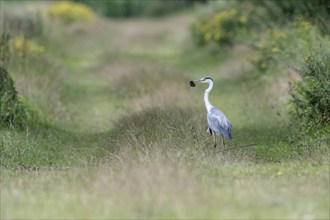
121,134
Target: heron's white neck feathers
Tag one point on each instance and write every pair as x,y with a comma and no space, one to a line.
206,96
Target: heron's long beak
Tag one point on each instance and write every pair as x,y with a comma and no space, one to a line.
198,80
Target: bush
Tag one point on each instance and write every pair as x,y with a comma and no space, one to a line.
12,112
311,97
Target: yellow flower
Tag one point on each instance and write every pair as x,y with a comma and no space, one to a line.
22,46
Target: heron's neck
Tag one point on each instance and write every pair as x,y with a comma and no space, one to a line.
206,97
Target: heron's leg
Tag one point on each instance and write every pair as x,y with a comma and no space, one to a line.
223,141
208,129
214,140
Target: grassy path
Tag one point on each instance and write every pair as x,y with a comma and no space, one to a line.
130,139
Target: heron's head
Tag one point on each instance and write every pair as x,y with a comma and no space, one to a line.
202,80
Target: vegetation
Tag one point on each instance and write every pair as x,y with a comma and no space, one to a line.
117,132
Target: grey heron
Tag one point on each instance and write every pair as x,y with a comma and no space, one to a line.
218,124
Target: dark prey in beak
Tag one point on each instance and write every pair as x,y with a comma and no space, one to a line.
192,84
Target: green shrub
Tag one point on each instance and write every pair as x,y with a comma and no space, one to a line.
311,97
12,112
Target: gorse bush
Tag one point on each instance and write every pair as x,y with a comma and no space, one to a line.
220,28
69,12
12,112
311,97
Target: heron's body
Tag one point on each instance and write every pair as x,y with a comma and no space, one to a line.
218,124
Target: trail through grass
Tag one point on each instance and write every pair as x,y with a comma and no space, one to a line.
125,135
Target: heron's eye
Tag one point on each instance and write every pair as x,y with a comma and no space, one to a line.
192,84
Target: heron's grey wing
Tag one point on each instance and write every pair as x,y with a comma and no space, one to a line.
219,123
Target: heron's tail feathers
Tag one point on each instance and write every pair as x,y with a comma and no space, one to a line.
227,133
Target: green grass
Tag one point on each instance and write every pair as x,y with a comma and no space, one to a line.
122,135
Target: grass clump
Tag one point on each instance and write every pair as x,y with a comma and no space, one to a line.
157,126
12,112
